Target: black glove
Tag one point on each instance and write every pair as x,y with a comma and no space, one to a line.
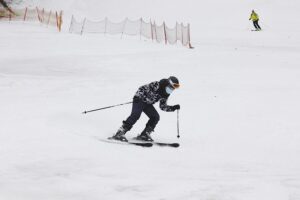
176,107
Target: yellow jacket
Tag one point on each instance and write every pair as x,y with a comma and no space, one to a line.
254,16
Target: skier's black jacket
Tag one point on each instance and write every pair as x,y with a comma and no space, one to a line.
154,92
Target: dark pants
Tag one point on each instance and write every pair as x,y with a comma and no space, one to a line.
137,108
255,23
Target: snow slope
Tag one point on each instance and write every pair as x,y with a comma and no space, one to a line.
239,120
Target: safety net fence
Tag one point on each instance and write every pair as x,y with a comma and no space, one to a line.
160,33
49,18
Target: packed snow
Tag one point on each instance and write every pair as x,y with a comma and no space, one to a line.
239,97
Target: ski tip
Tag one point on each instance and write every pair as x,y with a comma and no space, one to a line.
175,145
161,144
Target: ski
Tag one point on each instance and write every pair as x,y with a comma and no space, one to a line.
161,144
141,144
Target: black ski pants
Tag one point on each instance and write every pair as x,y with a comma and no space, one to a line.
256,25
138,107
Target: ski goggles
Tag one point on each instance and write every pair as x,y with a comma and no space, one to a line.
174,85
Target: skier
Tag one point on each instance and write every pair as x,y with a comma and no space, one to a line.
254,17
4,4
143,101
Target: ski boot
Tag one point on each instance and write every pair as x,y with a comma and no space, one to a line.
120,135
145,135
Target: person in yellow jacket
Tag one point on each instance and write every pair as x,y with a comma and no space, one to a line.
254,17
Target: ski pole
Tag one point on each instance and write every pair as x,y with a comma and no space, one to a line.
178,136
87,111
